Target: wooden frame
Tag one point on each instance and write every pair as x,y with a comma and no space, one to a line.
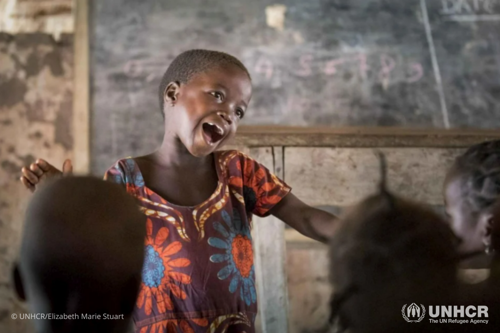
81,89
355,137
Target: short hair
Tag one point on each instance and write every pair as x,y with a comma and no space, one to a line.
190,63
388,249
479,172
74,226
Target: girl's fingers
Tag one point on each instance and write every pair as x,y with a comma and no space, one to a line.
32,178
27,184
36,170
43,165
67,169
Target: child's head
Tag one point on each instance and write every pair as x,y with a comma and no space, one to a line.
471,188
82,252
389,252
203,96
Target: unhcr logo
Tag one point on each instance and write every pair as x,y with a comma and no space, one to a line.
446,314
413,313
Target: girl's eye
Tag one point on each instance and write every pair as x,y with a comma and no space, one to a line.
240,113
217,95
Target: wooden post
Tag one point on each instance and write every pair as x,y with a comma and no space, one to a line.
81,99
270,256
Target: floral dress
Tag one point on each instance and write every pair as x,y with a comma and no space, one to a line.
198,273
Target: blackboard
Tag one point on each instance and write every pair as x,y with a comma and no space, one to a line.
413,63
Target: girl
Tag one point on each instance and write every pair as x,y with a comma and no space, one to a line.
471,189
198,274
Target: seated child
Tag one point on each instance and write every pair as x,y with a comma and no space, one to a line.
471,188
488,292
388,253
81,255
199,273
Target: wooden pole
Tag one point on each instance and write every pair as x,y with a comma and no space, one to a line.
81,99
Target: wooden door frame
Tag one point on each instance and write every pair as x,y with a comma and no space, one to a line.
81,89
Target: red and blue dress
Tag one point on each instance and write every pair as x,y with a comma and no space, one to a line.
198,273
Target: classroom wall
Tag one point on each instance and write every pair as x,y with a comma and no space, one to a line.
36,96
36,92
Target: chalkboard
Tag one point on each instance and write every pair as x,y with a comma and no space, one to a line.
410,63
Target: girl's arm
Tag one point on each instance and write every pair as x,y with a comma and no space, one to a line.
309,221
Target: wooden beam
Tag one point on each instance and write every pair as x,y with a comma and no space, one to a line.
270,256
353,137
344,176
81,95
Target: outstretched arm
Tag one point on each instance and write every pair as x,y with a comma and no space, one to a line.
309,221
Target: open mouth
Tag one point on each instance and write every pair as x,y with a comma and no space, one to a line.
213,133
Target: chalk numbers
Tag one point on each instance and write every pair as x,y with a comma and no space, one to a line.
382,68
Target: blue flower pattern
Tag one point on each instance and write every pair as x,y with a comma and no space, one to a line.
153,268
231,229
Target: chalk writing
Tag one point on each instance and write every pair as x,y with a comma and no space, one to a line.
363,66
305,65
331,66
388,71
264,66
388,65
416,73
460,7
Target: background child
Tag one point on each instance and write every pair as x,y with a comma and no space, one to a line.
82,253
199,271
472,197
471,188
389,252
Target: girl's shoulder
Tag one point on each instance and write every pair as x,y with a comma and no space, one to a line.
125,171
227,157
124,165
236,163
232,154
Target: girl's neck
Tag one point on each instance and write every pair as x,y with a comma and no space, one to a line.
173,153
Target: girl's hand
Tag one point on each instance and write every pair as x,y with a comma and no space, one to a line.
38,172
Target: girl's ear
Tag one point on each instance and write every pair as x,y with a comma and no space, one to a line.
171,93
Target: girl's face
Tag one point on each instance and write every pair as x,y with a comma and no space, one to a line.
207,110
470,226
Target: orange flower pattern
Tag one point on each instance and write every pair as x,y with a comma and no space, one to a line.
159,274
198,274
260,189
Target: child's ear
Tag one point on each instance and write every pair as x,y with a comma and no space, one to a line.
18,282
171,93
487,222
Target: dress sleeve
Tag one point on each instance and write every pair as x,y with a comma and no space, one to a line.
262,190
116,174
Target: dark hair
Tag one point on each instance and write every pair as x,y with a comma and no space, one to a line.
190,63
388,250
479,171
